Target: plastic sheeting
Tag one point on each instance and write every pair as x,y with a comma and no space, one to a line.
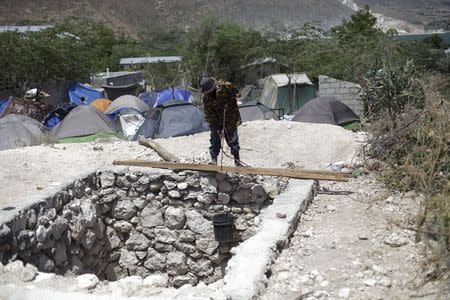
173,94
80,94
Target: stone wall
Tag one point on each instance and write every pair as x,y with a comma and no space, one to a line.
116,224
346,92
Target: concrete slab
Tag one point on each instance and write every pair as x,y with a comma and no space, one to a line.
245,275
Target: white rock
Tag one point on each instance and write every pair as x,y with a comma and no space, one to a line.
385,281
370,282
331,208
344,293
324,283
156,280
87,281
127,286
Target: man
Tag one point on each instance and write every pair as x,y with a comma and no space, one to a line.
222,114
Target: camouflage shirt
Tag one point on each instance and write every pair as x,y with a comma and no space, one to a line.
225,97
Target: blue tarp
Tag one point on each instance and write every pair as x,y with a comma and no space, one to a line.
171,94
3,104
149,98
80,94
57,115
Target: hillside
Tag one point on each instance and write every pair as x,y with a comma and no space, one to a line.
143,16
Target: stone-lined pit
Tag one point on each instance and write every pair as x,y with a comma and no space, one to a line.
116,225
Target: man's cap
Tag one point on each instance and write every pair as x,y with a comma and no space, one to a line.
207,84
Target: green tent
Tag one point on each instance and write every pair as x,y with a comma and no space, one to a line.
279,88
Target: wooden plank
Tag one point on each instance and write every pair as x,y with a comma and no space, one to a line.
298,174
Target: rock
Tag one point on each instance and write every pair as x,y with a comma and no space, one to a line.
139,203
186,236
122,226
206,198
31,220
14,267
185,248
281,215
28,273
370,282
208,185
202,267
240,224
112,239
174,217
259,195
78,189
223,199
331,208
179,281
124,210
46,264
127,286
109,198
165,235
151,216
107,180
198,224
174,194
395,240
206,245
225,187
56,229
51,213
128,259
169,184
137,241
156,280
344,293
155,187
60,253
242,196
87,281
88,215
182,186
363,237
193,195
161,247
385,281
176,263
41,233
88,239
155,261
122,182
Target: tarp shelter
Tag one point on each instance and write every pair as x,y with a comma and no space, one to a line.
84,120
326,110
177,118
129,121
33,109
101,104
81,94
287,93
253,110
58,114
3,104
173,94
113,92
125,102
19,131
149,97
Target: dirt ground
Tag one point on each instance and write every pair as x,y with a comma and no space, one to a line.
345,246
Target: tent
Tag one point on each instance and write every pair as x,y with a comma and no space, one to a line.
171,94
125,102
33,109
82,121
81,94
279,88
101,104
56,116
3,104
149,98
176,118
253,110
326,110
19,131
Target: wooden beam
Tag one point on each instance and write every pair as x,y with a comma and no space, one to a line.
160,150
298,174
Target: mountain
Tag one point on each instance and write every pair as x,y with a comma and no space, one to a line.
143,16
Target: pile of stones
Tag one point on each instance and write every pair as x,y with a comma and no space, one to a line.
120,224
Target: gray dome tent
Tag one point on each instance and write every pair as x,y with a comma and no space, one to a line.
127,101
174,118
325,110
18,131
84,120
253,110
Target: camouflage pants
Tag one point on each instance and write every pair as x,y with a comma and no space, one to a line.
231,137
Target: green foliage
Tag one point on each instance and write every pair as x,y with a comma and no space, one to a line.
361,24
220,49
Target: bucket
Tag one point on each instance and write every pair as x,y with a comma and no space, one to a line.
223,227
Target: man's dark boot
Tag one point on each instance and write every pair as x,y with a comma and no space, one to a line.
213,160
237,160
